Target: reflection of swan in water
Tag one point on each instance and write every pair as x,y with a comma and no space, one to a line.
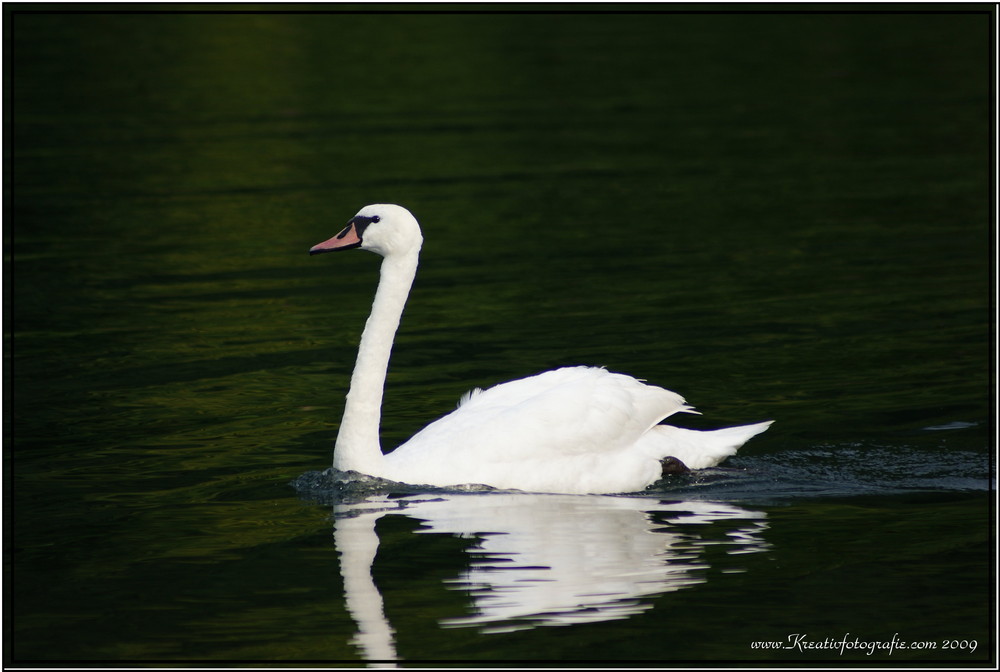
543,560
357,542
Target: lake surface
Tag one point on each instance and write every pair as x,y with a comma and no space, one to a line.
781,216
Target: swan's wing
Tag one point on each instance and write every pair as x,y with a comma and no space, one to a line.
578,409
562,413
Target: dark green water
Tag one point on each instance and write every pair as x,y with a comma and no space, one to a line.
780,216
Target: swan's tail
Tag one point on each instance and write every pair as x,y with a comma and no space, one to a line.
699,449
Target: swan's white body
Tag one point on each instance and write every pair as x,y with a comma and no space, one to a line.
575,430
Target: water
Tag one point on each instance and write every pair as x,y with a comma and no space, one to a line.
780,216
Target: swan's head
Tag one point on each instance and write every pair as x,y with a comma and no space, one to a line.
384,229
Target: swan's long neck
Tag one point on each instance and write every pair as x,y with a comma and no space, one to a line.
357,442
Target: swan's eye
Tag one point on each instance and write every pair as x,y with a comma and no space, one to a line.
360,223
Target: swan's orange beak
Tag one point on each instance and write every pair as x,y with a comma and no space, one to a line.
345,240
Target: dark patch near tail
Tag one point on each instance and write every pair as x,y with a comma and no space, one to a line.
671,466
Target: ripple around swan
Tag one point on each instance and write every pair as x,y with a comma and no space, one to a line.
836,471
822,471
332,486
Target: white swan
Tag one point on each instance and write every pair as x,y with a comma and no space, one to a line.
575,430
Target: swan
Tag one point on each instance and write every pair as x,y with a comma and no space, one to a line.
573,430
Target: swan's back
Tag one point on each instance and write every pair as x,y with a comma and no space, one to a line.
574,429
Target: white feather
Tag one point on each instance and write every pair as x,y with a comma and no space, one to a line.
467,397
